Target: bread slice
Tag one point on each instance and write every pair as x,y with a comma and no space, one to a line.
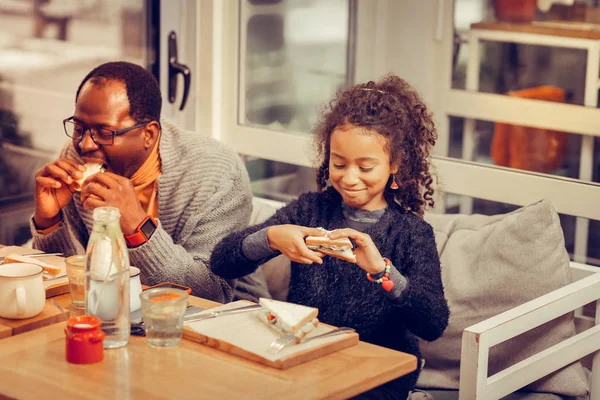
17,258
90,169
289,317
345,254
340,248
266,317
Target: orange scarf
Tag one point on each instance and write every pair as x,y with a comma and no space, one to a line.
145,182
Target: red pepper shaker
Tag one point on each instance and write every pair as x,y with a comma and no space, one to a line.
84,341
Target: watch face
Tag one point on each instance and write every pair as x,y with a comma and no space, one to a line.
148,228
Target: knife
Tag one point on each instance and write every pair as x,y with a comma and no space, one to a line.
217,313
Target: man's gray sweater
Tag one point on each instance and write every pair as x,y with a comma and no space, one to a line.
203,195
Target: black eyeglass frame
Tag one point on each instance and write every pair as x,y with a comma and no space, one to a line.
91,131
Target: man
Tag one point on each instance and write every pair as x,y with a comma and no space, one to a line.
178,192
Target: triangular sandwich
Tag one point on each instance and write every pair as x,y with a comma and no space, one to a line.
287,317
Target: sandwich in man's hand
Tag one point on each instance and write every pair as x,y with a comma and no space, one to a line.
286,317
90,169
340,248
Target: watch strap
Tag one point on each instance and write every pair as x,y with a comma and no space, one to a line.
142,233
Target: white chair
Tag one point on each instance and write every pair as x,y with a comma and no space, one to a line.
479,338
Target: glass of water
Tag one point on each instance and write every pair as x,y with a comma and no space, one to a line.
76,272
163,310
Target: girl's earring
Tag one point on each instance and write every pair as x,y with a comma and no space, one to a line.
393,185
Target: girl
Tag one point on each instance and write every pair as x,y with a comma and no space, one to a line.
373,145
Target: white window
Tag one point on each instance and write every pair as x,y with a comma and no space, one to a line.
301,52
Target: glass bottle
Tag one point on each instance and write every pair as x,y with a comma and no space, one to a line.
107,277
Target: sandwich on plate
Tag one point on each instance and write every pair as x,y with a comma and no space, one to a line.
17,258
340,248
288,318
90,169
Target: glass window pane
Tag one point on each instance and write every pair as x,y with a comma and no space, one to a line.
509,65
525,50
521,147
46,49
295,56
279,181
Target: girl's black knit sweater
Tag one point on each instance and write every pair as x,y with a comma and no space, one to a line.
340,289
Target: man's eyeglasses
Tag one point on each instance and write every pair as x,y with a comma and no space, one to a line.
100,136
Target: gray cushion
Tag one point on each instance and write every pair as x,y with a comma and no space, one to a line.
278,272
251,287
491,264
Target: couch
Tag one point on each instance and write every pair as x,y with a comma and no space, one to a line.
512,292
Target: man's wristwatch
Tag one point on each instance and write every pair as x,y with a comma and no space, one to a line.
142,233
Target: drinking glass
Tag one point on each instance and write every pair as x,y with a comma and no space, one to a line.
163,310
76,272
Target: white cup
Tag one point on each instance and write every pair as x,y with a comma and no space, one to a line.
22,293
103,299
107,308
135,288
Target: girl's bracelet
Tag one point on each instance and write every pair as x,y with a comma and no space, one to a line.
386,284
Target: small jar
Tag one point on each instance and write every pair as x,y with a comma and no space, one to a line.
84,341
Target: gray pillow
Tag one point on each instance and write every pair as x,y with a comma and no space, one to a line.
491,264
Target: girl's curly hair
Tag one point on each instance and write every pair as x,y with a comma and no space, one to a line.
392,108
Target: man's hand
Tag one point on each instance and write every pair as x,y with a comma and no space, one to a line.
289,240
54,185
111,190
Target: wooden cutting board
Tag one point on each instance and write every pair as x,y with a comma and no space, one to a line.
49,315
246,336
53,287
5,331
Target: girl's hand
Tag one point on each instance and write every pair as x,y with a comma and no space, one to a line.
368,256
289,240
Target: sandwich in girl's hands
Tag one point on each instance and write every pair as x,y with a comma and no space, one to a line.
288,318
340,248
90,169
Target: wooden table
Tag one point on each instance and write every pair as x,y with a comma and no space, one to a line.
33,365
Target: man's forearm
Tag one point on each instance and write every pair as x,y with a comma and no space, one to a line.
162,260
59,240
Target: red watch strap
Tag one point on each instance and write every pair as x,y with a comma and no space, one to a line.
135,239
138,237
